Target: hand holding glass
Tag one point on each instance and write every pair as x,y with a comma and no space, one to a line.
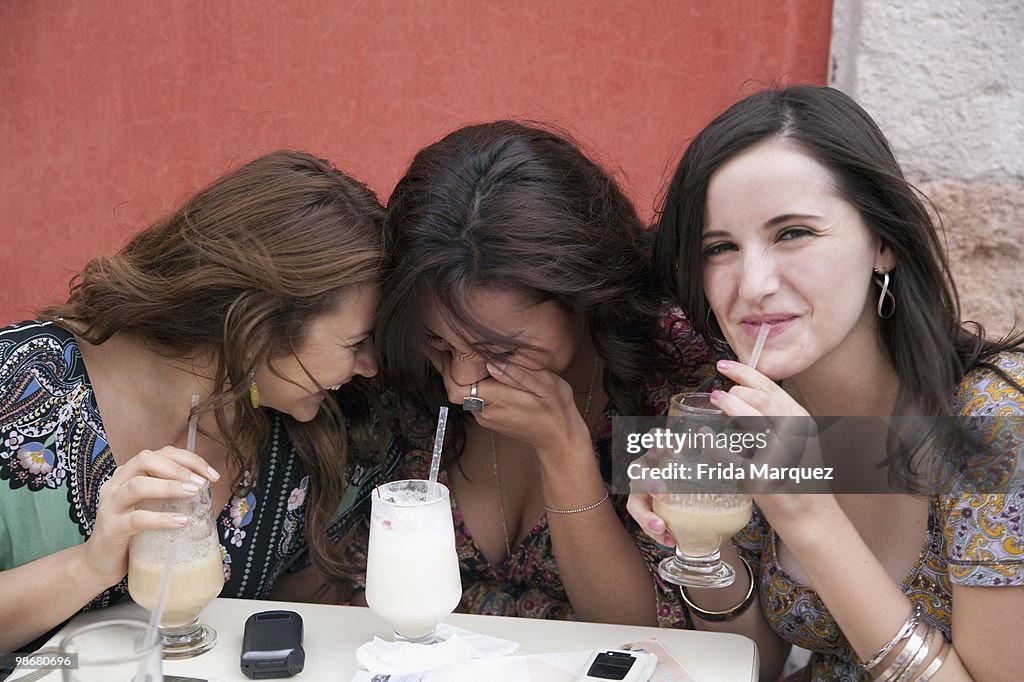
197,573
699,522
412,570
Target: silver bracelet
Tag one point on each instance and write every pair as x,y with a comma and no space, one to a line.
908,626
936,663
597,504
913,645
919,657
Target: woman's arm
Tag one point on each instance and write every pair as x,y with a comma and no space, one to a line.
602,570
41,594
772,649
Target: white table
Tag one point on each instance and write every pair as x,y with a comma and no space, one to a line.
333,633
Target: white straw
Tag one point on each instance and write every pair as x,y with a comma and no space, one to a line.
193,424
762,334
435,462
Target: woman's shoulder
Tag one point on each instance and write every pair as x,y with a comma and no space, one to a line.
988,389
41,345
32,331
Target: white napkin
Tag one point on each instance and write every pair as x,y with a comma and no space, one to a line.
397,658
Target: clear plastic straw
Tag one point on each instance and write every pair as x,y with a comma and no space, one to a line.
762,335
435,462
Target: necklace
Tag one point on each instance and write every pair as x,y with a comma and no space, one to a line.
497,472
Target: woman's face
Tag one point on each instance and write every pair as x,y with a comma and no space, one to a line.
542,336
781,246
337,347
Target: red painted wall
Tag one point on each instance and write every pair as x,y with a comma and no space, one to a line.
111,111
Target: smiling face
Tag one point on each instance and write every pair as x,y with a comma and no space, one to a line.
540,336
781,246
337,347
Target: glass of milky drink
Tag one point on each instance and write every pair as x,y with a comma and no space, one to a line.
197,573
699,522
412,570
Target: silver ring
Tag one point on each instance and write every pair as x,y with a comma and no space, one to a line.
471,403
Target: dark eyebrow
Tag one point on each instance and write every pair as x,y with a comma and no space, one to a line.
774,222
789,217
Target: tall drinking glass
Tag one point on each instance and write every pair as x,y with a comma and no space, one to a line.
197,573
412,570
699,522
113,650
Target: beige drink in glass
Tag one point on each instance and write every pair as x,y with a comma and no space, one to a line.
700,522
197,573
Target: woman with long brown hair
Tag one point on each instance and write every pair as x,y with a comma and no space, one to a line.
258,295
519,289
789,210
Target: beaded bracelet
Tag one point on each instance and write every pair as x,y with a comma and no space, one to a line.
728,614
908,626
597,504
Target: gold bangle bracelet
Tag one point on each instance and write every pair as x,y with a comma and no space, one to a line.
728,614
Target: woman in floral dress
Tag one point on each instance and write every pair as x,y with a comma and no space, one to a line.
258,295
790,210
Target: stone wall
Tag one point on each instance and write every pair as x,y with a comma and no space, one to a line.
943,80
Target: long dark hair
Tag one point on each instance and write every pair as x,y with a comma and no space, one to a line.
517,207
928,345
240,270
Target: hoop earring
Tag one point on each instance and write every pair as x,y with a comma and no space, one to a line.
717,340
254,391
884,283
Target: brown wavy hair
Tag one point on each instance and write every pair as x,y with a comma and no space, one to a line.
239,271
518,207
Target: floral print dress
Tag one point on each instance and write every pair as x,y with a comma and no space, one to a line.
54,457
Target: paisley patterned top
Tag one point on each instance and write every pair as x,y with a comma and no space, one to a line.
972,539
527,583
54,457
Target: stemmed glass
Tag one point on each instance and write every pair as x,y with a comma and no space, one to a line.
197,573
412,570
699,522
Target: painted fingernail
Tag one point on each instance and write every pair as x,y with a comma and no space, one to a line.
717,395
726,364
198,480
190,487
213,473
655,525
181,520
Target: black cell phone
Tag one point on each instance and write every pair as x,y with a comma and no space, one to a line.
272,645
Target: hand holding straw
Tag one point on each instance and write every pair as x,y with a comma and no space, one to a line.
762,335
435,462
